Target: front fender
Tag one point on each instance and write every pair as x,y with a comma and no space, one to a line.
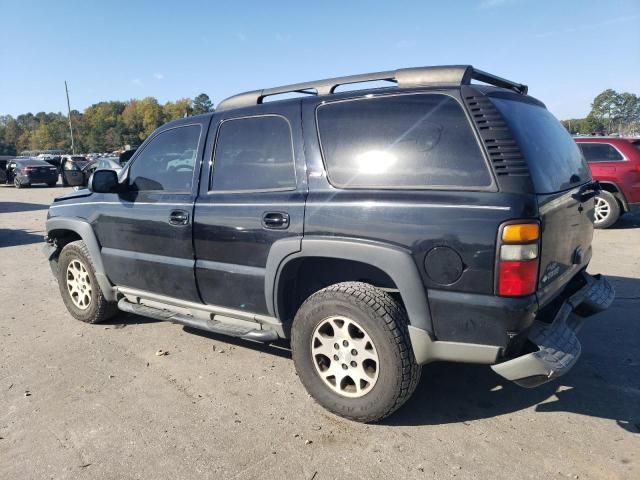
86,233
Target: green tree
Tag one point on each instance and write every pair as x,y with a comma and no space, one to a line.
202,104
132,119
104,126
178,109
152,116
628,112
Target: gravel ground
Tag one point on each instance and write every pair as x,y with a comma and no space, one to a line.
83,401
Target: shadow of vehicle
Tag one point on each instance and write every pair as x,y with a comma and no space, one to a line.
605,382
12,238
122,319
627,221
279,348
10,207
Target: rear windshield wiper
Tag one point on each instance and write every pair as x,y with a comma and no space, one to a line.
588,191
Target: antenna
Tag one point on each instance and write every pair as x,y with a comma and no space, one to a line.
73,148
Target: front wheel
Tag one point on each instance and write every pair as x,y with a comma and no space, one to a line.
352,351
78,285
607,210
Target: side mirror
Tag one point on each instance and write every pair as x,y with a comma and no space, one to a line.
103,181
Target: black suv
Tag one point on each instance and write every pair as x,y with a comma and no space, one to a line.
377,229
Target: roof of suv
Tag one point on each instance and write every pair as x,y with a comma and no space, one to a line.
441,76
607,139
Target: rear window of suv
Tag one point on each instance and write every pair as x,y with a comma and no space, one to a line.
555,161
600,152
404,141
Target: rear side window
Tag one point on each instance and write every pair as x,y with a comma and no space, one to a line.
600,152
554,159
254,153
404,141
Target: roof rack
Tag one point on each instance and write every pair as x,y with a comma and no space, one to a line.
452,75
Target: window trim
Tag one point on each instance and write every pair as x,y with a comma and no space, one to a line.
140,151
257,190
624,158
492,187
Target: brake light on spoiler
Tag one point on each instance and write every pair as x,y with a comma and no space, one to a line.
518,259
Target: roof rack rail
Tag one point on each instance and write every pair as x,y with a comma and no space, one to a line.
452,75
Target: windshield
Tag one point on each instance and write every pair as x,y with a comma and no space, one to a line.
554,159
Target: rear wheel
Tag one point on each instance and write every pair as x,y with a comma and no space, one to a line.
607,210
78,285
352,351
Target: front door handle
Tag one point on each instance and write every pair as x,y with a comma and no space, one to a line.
276,220
179,217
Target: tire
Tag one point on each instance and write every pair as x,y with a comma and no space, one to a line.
607,210
52,184
373,325
85,304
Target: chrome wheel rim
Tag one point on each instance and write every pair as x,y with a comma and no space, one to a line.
79,284
345,357
602,210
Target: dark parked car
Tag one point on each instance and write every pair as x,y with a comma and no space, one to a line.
615,163
30,171
378,230
54,160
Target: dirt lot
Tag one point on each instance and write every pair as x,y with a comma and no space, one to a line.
82,401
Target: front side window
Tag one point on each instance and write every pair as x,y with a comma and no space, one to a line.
600,152
167,162
403,141
254,153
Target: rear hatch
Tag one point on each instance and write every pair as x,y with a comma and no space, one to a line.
562,184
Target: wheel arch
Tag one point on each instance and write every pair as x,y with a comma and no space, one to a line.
387,265
615,190
71,229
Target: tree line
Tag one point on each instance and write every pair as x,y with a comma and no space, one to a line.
108,126
611,113
102,127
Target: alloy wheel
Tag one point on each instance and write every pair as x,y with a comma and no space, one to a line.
602,210
79,284
345,357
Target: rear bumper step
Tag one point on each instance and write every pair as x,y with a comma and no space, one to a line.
213,326
558,345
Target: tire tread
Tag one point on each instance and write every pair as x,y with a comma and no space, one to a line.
395,319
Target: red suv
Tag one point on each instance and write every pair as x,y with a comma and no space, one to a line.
615,163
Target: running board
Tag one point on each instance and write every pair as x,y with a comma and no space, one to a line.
214,326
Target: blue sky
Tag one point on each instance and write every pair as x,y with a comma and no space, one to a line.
566,51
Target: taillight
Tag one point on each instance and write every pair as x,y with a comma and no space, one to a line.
29,169
518,259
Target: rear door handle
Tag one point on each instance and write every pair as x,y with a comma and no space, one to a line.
179,217
275,220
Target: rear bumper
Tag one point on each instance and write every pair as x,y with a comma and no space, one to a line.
556,345
38,179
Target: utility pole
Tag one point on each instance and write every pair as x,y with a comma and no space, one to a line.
73,148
